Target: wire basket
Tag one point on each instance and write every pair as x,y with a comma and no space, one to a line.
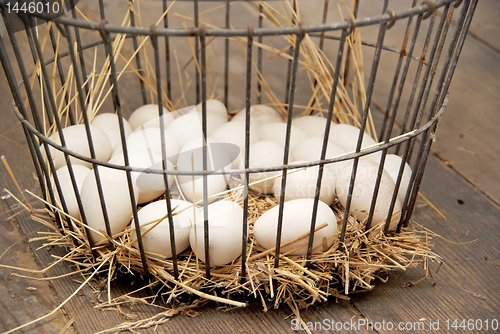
411,53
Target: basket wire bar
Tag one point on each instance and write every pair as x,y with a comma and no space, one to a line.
421,65
226,54
390,113
323,21
138,56
51,109
259,53
428,78
168,71
78,39
389,117
369,91
348,53
235,32
117,107
203,67
197,47
175,267
79,81
424,82
248,100
371,83
393,107
291,95
290,53
454,51
60,70
338,64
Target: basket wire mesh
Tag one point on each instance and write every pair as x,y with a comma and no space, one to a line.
425,104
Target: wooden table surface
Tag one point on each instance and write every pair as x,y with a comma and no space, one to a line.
462,179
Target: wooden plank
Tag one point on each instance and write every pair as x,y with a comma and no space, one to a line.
466,284
485,26
23,300
467,134
212,319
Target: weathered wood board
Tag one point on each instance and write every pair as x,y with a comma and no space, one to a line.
467,193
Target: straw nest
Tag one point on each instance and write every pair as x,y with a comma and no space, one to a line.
351,266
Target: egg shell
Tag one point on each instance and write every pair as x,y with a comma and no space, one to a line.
310,148
234,133
191,159
297,215
366,176
346,135
76,140
156,236
265,153
148,116
116,198
277,133
68,192
314,126
391,166
189,126
214,107
259,114
109,123
225,221
302,184
149,140
150,185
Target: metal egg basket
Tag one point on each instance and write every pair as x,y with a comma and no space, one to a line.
413,84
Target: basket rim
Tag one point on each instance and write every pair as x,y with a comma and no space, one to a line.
389,17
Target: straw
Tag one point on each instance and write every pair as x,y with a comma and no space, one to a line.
298,282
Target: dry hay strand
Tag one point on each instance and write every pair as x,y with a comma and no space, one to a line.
341,269
335,272
353,265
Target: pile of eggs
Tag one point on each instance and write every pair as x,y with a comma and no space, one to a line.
182,134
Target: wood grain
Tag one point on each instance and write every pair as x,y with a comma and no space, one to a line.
466,285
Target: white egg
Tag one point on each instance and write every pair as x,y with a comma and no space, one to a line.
225,221
191,159
150,185
215,107
116,198
76,140
189,126
346,136
314,126
277,133
234,133
302,184
265,153
149,140
68,192
366,176
391,166
297,216
259,114
155,226
109,124
309,149
148,116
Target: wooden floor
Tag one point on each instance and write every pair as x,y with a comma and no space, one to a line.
462,179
